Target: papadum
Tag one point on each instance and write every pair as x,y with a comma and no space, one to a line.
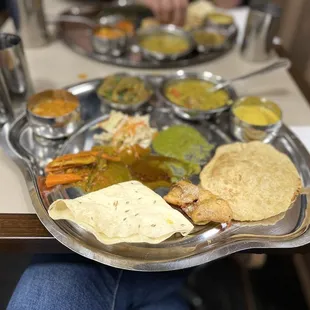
125,212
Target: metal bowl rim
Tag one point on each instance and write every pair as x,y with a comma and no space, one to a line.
124,106
44,118
116,17
210,22
123,37
200,76
170,29
258,127
206,47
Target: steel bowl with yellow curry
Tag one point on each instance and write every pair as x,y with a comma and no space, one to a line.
189,96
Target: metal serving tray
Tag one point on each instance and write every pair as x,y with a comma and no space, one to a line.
205,244
77,36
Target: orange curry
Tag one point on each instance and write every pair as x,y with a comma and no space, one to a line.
109,33
54,107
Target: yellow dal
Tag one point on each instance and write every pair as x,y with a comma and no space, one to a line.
256,115
165,43
221,19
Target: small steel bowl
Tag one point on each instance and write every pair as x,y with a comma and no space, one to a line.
168,29
205,48
130,33
53,127
229,26
247,132
130,108
191,114
113,21
114,47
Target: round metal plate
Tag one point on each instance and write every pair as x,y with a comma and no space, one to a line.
78,37
205,244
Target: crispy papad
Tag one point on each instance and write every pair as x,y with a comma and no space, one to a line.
125,212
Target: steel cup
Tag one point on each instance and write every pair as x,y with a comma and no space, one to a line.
246,132
53,127
29,21
6,109
262,26
14,66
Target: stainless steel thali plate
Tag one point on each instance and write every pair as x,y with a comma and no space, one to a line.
205,244
77,36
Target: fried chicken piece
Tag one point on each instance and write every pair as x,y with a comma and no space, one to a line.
199,204
210,208
182,193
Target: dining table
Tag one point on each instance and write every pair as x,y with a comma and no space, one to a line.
55,65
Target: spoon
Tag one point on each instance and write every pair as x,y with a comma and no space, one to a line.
282,63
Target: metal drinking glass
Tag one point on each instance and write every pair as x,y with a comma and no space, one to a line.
29,21
6,109
15,81
261,28
13,65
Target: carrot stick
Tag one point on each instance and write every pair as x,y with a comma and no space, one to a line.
68,159
175,92
111,158
60,179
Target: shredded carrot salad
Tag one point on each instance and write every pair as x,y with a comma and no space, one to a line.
123,131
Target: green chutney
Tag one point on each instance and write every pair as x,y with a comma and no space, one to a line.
183,143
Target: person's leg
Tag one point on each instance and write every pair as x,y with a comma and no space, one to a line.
157,290
71,282
172,302
66,282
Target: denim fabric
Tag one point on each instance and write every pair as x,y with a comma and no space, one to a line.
68,282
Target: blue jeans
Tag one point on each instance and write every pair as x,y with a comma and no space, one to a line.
64,282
